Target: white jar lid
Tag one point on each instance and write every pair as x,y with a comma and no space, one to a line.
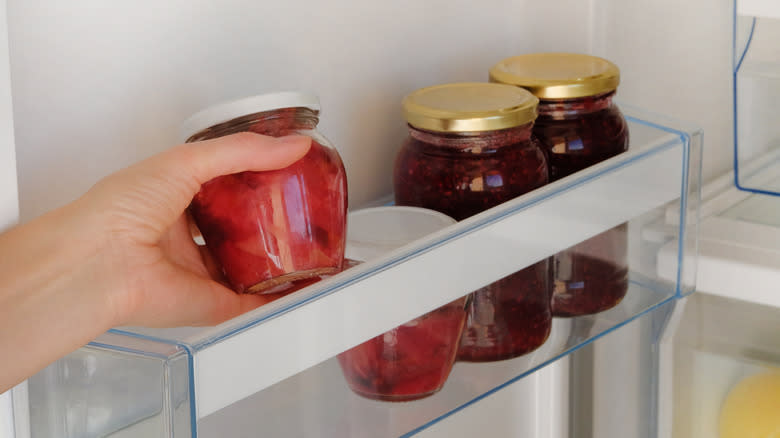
225,111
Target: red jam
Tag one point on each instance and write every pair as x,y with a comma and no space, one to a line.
591,276
409,362
462,174
510,317
271,229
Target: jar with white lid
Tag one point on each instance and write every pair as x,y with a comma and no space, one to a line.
271,229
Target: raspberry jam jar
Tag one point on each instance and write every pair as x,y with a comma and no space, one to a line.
270,230
469,149
578,125
413,360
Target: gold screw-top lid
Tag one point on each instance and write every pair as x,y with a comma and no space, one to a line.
558,75
469,107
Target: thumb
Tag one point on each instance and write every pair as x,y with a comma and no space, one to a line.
157,190
205,160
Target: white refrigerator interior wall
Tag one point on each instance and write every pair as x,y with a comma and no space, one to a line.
99,85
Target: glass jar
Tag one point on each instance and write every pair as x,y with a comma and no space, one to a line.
469,149
270,230
413,360
578,125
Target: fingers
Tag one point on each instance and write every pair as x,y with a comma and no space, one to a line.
236,153
182,298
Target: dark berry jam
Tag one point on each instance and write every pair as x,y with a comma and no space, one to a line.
411,361
577,133
270,230
510,317
462,174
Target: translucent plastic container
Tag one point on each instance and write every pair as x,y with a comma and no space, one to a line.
578,125
413,360
269,230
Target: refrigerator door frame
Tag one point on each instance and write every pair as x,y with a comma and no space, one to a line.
14,408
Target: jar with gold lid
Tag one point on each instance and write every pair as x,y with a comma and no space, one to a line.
470,148
578,125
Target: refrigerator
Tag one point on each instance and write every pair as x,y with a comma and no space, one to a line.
90,87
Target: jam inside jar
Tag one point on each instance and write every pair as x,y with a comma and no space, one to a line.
271,229
462,172
578,126
409,362
591,276
510,317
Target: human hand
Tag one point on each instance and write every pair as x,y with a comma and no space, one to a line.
158,276
122,254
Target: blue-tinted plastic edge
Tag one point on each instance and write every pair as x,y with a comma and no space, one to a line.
685,139
737,66
538,367
190,365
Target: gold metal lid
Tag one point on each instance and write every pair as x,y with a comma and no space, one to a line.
558,75
469,107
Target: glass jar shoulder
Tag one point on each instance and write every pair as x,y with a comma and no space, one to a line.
602,133
462,182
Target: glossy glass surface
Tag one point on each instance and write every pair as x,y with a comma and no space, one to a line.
271,229
461,175
578,133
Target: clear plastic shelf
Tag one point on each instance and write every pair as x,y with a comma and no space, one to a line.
178,378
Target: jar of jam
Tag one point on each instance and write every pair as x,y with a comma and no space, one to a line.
270,230
469,149
413,360
578,125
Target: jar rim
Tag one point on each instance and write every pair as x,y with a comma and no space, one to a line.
558,75
226,111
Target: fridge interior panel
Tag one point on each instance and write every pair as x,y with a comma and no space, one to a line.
675,59
758,8
109,84
718,342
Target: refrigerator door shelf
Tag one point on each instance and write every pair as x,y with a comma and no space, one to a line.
280,344
739,239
